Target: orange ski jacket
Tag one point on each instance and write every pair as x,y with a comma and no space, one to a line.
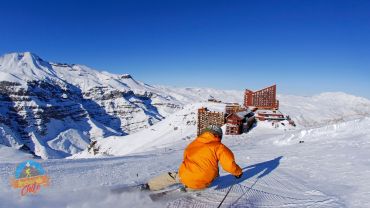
200,165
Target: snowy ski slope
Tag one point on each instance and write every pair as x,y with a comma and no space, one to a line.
330,169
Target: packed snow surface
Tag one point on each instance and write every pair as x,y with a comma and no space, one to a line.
330,169
323,162
117,104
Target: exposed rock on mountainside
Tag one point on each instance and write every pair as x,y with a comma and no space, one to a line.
55,110
42,102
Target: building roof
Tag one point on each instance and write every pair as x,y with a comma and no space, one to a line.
232,104
241,114
276,112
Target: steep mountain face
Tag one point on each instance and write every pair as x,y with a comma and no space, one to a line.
54,110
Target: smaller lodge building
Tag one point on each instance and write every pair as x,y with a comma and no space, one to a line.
239,122
270,115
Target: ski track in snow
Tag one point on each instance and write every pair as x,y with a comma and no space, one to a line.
330,169
273,191
277,172
274,176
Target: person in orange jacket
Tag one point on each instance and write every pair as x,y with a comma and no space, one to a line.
200,164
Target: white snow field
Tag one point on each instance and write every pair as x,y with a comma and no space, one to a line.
323,162
55,109
330,169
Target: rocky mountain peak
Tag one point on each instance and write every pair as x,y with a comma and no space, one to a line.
55,110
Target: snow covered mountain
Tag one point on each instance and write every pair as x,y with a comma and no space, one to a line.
325,108
55,110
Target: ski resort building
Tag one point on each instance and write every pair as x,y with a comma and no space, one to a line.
206,118
233,108
260,105
261,99
270,115
239,122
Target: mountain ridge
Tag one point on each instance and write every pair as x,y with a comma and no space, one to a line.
44,100
55,109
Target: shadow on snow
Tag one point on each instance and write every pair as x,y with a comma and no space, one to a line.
260,170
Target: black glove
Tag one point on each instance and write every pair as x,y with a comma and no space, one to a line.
239,176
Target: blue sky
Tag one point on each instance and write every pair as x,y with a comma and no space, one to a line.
306,47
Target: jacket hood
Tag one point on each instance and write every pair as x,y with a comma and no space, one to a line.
208,137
